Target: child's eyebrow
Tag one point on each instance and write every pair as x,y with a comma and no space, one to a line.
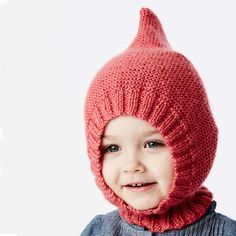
146,133
150,132
108,136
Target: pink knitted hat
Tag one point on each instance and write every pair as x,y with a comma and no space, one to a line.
151,81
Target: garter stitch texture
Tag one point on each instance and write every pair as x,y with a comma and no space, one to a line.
151,81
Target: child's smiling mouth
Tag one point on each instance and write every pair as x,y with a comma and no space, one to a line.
139,186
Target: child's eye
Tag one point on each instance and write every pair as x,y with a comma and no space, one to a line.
154,144
111,148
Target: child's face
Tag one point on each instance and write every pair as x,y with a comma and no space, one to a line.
134,153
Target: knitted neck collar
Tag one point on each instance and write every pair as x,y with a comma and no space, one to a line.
177,217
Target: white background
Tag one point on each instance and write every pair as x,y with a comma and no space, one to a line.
49,52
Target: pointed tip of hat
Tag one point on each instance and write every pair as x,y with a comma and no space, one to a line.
150,32
146,11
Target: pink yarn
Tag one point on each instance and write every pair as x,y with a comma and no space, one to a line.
151,81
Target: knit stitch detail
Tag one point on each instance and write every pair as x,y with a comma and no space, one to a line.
179,216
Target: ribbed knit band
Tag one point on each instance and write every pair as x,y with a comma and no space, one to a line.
177,217
156,84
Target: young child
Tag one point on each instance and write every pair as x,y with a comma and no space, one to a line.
151,140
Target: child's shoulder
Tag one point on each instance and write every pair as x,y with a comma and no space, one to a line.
225,218
214,223
103,223
228,223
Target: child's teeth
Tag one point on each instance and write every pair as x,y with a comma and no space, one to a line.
136,185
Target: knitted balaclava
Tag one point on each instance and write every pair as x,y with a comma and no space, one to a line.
152,82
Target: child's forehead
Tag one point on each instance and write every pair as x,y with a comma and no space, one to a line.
128,125
129,122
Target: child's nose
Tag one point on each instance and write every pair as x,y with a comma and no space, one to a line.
133,163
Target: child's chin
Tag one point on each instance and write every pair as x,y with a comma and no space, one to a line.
144,205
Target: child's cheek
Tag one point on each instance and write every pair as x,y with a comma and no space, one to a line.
110,170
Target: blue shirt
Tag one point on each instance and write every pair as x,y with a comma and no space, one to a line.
211,224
